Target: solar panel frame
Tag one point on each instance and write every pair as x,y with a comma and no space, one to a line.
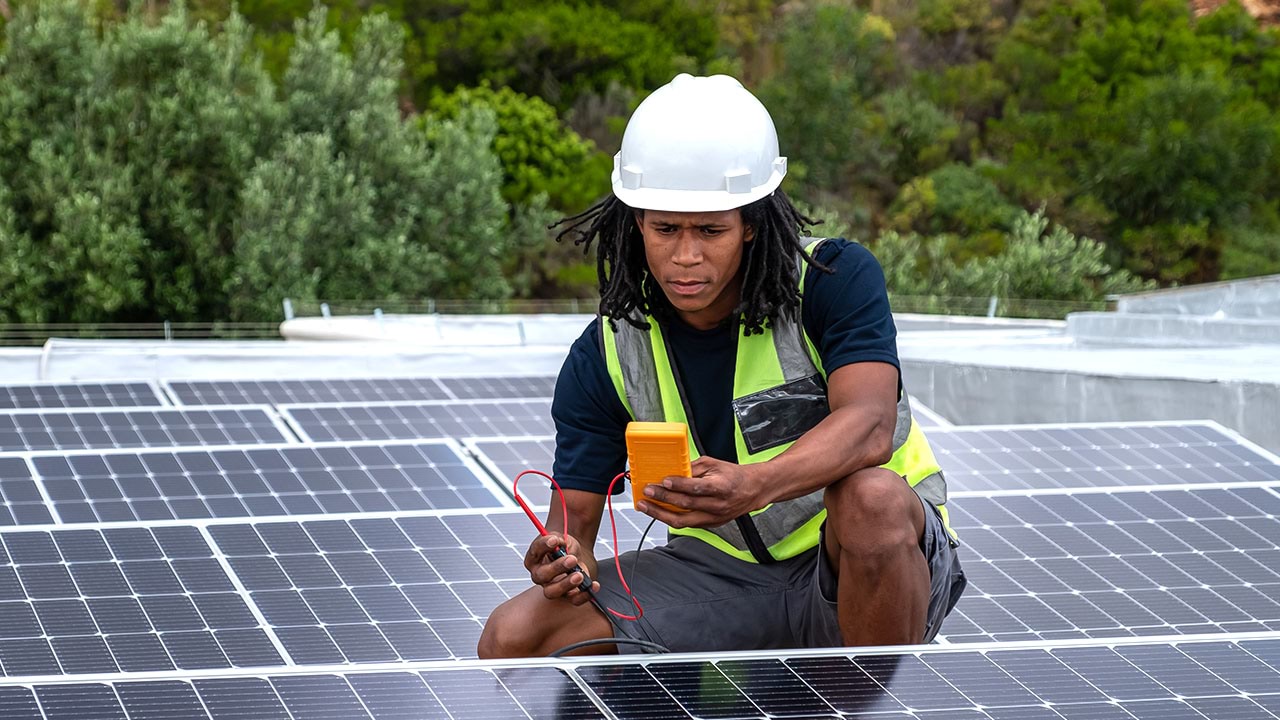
401,420
57,394
505,457
1018,458
202,482
65,430
927,417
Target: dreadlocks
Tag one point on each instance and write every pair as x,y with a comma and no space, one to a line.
769,283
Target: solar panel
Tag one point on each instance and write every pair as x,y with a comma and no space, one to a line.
20,500
334,390
388,421
1009,458
256,481
1063,456
280,392
1199,679
1100,682
28,430
121,600
1113,564
505,458
82,394
492,388
385,589
1090,566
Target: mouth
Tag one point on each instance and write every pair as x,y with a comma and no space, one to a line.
687,287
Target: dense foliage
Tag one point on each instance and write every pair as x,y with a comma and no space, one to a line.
190,162
153,170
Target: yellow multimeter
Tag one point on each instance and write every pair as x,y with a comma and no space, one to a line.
656,450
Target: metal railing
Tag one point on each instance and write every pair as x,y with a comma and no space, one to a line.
431,306
35,334
993,306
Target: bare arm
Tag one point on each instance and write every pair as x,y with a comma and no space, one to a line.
857,434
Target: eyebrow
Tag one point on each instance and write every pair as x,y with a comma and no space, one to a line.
706,225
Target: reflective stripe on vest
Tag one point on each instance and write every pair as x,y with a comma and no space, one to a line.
777,374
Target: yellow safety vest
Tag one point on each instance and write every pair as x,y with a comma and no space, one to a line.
779,393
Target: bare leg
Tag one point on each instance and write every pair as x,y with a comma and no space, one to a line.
529,625
874,526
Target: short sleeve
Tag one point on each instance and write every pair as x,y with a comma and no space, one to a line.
846,312
590,419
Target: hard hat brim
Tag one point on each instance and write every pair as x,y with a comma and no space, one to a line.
671,200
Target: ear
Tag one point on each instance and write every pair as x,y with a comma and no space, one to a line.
748,234
639,216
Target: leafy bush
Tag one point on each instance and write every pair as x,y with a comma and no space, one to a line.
559,50
539,154
1036,263
151,172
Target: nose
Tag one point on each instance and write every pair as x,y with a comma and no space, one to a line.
688,248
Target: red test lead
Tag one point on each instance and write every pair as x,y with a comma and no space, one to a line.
559,552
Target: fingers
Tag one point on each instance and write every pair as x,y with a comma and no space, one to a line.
540,548
679,519
568,585
548,571
689,493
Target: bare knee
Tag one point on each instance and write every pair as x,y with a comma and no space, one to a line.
873,513
509,632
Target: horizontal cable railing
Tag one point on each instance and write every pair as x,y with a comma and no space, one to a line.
28,334
993,306
431,306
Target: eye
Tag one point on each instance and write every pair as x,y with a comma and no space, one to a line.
712,231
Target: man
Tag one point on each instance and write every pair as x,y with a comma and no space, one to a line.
814,511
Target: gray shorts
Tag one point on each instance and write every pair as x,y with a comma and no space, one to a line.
699,599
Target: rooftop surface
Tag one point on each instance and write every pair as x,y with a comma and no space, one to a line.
319,530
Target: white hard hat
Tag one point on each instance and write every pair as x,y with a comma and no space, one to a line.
698,144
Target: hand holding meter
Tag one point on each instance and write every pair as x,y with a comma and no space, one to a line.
656,450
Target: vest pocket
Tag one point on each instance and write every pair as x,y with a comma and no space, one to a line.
779,415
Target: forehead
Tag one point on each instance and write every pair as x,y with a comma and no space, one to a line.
692,219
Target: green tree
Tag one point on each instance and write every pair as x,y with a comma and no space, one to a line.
834,61
150,171
559,51
540,155
357,203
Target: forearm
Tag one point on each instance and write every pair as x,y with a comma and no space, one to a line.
585,511
849,439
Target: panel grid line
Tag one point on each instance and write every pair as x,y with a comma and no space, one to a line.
248,598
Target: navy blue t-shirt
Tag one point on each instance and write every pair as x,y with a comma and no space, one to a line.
845,314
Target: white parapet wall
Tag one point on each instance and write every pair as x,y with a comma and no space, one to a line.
1003,377
1252,298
